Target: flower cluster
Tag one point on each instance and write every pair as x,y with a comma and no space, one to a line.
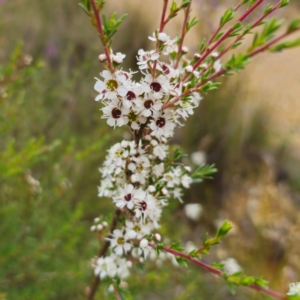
142,176
294,289
143,104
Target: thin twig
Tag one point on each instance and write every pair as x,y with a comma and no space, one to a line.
96,280
100,30
183,33
225,35
161,29
218,272
223,71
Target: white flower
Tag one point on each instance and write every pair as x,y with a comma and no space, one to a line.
177,194
294,289
105,267
186,181
118,57
145,57
146,206
193,211
160,151
115,115
139,167
162,125
112,86
118,242
231,265
162,37
149,105
125,197
172,178
104,190
158,86
167,70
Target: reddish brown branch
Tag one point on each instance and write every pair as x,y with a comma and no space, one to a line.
101,32
183,33
218,272
96,280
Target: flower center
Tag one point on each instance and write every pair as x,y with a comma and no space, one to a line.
166,69
143,205
136,228
116,113
155,86
148,104
130,95
120,241
128,197
132,116
139,168
161,122
112,84
119,153
168,177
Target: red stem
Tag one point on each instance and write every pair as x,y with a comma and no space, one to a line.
253,26
100,30
183,33
268,45
218,272
163,16
161,28
239,5
118,297
223,71
210,50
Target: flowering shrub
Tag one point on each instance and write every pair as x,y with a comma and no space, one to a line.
143,175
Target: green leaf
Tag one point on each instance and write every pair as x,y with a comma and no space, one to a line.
228,16
218,266
218,36
181,261
84,8
284,3
286,45
230,287
185,3
192,23
224,229
237,62
268,9
236,29
294,25
204,172
194,253
176,246
174,7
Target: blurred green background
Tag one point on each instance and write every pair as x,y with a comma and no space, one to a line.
52,142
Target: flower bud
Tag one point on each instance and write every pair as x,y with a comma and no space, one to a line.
143,243
185,49
99,227
189,69
151,189
157,237
102,57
